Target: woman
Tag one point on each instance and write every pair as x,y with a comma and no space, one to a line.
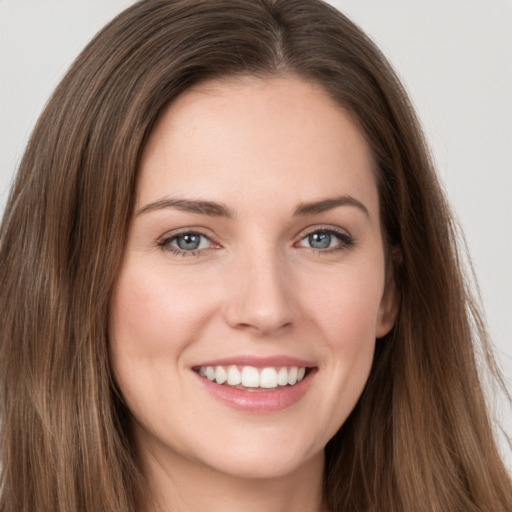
229,280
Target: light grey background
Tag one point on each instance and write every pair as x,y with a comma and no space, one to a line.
454,56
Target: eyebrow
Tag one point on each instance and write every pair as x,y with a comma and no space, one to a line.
209,208
324,205
214,209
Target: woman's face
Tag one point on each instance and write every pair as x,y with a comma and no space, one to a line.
253,287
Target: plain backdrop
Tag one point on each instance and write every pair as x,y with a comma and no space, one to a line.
454,57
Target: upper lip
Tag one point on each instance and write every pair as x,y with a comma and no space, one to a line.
258,361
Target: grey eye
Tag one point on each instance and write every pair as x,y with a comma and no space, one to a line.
186,243
189,241
320,240
326,240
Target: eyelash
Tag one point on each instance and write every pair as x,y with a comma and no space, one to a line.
165,244
346,241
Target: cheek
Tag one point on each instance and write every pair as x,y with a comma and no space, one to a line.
346,315
350,341
346,306
153,314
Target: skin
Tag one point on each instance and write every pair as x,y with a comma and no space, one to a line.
256,286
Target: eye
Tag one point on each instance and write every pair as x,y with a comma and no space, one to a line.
326,240
188,243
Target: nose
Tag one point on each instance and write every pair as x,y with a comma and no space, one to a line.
262,299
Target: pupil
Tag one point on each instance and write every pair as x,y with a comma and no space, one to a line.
188,242
320,240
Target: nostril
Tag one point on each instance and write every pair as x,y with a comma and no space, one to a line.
261,301
263,328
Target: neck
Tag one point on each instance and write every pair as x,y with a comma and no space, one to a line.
187,486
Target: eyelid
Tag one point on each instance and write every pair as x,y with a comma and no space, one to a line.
323,227
164,242
345,238
173,233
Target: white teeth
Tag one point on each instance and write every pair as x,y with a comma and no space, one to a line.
210,373
268,378
282,377
221,375
251,377
292,375
234,377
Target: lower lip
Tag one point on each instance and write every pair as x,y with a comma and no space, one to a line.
259,401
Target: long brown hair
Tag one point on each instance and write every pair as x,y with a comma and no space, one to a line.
419,438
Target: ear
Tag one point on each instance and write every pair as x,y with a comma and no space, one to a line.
389,304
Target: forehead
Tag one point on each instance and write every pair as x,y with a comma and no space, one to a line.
279,136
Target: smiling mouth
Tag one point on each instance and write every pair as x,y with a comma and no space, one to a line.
250,378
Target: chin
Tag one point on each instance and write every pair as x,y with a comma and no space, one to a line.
266,457
265,465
